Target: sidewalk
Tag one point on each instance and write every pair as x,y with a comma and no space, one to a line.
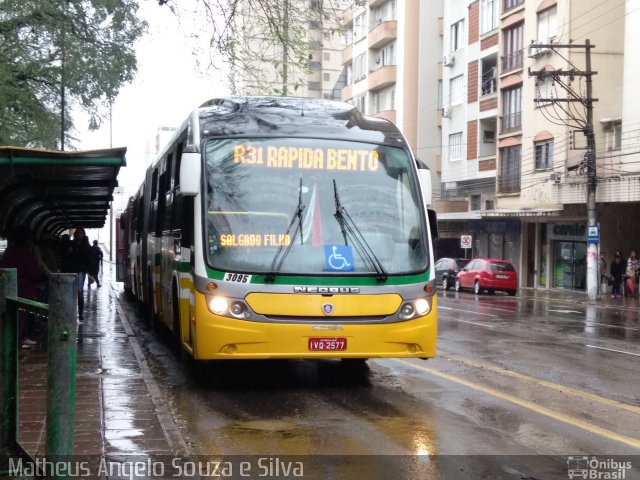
580,297
119,409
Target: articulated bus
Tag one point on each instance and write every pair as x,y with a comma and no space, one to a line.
280,227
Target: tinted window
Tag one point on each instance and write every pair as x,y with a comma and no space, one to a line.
501,267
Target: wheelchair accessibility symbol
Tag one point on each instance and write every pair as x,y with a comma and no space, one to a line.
338,258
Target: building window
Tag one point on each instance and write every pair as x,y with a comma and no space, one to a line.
489,78
383,100
488,15
326,77
512,109
544,155
457,35
314,86
349,74
547,25
360,27
545,91
509,4
456,90
386,56
512,58
360,103
385,13
327,56
455,146
359,67
475,202
509,179
613,136
440,94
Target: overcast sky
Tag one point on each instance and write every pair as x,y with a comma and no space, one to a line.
168,85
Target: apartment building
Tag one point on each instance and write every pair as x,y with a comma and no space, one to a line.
265,67
515,147
391,59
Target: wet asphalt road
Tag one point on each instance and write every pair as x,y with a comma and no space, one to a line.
519,384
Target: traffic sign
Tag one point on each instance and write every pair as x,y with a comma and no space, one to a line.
466,241
593,234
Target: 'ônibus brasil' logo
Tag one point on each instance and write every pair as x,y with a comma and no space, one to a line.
327,309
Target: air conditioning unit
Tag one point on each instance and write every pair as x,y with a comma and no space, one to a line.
539,52
446,112
555,177
378,60
448,60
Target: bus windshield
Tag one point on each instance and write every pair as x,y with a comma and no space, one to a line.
278,205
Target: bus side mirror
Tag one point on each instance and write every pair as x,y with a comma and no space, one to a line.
190,171
424,178
433,224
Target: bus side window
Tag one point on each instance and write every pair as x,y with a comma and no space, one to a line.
161,205
176,206
186,221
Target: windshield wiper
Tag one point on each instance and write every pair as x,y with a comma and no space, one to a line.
349,228
278,259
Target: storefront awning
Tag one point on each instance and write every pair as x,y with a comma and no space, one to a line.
51,191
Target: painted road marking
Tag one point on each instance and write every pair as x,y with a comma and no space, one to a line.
614,350
632,442
544,383
467,311
475,323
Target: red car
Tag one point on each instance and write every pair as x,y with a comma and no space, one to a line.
488,274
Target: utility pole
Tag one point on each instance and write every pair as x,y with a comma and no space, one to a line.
586,125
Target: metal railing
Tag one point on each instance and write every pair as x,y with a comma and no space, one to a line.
61,368
511,122
512,61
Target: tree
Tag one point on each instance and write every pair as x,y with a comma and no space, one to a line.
55,54
268,45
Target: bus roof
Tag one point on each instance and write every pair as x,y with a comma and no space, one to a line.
294,116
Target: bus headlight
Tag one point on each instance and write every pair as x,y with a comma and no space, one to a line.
415,308
422,306
218,305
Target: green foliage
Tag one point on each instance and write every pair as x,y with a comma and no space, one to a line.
81,51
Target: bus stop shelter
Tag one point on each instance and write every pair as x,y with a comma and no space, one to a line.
51,191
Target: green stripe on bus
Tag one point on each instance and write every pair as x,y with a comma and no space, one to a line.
337,281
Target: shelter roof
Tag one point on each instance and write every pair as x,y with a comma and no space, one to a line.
51,191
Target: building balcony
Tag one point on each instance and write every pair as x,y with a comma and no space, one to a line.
347,93
383,77
347,54
511,61
383,33
386,114
511,123
376,3
347,17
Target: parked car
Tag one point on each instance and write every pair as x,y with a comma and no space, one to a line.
488,274
447,269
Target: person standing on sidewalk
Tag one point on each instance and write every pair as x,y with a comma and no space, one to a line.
633,266
21,255
617,272
78,262
95,260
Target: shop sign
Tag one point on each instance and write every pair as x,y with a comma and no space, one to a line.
567,231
